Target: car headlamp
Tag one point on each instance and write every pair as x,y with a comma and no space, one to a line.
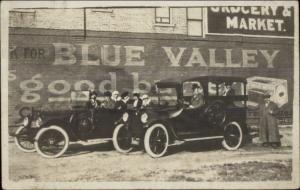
25,121
144,117
125,117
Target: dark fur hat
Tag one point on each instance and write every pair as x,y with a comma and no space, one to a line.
124,94
107,93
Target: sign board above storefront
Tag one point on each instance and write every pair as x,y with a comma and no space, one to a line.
254,20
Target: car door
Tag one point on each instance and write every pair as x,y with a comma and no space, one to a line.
191,122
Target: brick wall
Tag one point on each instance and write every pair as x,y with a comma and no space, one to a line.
139,20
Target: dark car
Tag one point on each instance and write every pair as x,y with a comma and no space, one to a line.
50,132
219,113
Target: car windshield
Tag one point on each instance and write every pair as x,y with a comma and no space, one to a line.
166,97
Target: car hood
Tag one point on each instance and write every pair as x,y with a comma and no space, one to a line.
167,112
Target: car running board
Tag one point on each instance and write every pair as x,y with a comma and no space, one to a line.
179,142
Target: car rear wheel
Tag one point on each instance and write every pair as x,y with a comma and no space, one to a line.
233,136
51,142
156,140
24,140
122,139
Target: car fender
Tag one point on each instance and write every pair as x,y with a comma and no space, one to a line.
64,123
166,123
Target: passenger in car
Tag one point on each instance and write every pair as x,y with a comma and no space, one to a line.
115,95
229,91
121,104
108,103
137,101
146,101
93,103
198,97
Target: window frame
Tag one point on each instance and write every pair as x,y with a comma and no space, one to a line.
195,20
155,16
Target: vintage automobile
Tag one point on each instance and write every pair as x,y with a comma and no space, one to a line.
172,121
50,132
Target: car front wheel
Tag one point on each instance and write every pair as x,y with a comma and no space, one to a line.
233,136
122,139
24,140
156,140
51,142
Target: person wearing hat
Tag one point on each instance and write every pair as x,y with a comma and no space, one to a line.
93,103
137,101
268,127
197,99
122,103
108,103
115,95
229,91
146,101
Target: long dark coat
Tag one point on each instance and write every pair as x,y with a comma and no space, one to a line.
268,127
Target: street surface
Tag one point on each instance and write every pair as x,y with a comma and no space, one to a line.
197,161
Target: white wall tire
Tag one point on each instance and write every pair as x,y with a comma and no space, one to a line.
121,145
29,146
233,136
156,140
44,139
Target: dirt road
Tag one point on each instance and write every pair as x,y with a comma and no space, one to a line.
200,161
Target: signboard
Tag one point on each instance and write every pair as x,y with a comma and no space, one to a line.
254,20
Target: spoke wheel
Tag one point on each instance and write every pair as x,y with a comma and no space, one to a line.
24,140
51,142
122,139
156,140
233,136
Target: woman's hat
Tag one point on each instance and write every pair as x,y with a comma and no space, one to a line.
136,94
93,93
194,86
145,96
115,93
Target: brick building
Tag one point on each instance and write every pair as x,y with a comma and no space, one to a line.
55,51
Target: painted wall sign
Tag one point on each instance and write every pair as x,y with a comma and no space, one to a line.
254,20
44,72
114,55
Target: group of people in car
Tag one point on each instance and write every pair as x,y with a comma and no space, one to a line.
119,102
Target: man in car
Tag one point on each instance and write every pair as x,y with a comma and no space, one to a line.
108,103
198,97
